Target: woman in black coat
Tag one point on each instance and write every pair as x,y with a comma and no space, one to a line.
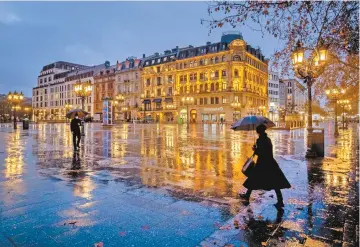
267,174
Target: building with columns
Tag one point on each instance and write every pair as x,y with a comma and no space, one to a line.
128,89
225,80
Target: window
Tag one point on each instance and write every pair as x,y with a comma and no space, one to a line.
49,78
236,73
212,87
216,73
45,91
40,80
205,101
119,78
147,82
236,58
212,101
159,92
224,86
206,87
224,100
45,79
201,62
223,73
201,87
201,101
159,81
223,59
170,78
169,91
216,60
158,69
236,98
201,76
216,100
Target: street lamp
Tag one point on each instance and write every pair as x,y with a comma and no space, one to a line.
15,99
344,103
187,101
236,106
335,94
309,69
83,90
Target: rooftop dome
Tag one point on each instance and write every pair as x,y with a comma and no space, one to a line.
227,37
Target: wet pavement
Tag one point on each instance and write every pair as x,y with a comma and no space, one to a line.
164,185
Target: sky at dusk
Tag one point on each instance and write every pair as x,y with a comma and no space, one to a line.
35,34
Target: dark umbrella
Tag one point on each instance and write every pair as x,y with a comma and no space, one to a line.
81,113
251,122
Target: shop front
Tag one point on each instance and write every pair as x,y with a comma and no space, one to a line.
213,115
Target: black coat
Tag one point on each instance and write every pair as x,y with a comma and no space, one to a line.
267,174
75,125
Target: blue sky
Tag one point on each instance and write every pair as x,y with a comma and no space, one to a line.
36,34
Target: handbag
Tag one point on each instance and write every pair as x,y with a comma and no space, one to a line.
248,166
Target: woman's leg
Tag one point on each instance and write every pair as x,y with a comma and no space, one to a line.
279,197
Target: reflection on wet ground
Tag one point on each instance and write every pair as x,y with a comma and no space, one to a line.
162,185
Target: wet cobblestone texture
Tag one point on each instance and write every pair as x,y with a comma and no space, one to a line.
164,185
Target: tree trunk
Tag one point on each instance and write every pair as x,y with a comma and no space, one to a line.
309,85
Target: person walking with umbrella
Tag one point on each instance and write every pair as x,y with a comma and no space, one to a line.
75,130
266,174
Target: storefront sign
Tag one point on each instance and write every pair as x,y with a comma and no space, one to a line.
219,109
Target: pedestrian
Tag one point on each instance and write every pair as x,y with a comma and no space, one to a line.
75,130
267,174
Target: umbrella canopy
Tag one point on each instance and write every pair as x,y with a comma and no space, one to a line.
81,113
251,122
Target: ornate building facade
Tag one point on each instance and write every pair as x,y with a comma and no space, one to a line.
104,87
224,80
128,89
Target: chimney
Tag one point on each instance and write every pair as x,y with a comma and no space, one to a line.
143,55
157,54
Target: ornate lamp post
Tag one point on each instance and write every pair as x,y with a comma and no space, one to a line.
187,101
309,69
335,94
344,103
15,99
83,90
237,108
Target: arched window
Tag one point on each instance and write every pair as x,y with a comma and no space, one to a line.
236,73
201,61
216,59
236,58
223,59
206,87
212,88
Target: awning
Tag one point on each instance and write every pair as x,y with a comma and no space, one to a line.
168,100
157,100
146,101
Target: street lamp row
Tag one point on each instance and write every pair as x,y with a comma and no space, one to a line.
15,98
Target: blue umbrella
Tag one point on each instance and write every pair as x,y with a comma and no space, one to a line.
251,122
